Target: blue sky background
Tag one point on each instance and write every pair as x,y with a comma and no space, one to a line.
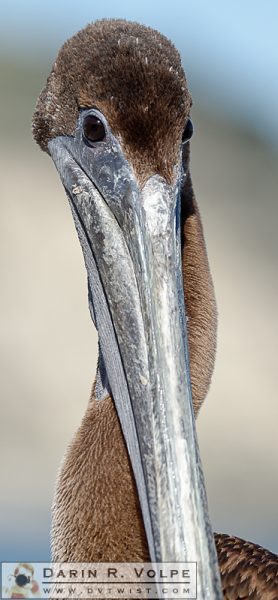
229,49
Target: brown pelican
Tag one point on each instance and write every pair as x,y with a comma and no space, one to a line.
115,118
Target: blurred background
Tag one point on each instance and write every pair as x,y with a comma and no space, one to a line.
48,344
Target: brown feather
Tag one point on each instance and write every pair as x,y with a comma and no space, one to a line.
133,74
247,570
96,509
97,517
199,298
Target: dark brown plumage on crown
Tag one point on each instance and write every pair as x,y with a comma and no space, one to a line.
133,74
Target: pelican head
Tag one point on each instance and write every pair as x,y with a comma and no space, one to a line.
115,118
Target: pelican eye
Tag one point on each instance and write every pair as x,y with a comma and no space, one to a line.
188,131
93,129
